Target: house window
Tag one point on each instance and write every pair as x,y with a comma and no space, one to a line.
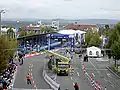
97,53
90,53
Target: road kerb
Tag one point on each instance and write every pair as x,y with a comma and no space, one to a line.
113,72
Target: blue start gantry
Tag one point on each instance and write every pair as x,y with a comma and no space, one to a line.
61,36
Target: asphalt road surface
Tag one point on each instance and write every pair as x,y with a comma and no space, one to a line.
101,74
34,65
79,77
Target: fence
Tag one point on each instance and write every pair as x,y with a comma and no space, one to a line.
51,82
91,79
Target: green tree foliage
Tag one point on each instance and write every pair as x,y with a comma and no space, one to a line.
10,33
4,54
12,45
116,48
93,39
7,48
88,37
114,41
23,33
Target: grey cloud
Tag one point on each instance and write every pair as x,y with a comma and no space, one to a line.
61,8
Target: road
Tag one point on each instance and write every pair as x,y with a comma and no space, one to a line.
67,81
95,66
35,66
102,75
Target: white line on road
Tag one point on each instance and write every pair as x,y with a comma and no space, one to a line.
108,74
78,74
31,74
95,67
31,65
31,77
71,78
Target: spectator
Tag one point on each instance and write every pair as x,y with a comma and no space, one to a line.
1,86
5,84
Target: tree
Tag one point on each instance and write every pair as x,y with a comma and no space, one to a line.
92,39
88,37
114,42
3,52
95,40
10,33
7,48
106,27
23,33
13,44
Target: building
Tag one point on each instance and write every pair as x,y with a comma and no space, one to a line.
79,36
12,33
82,27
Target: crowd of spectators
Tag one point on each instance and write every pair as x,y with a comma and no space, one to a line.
7,75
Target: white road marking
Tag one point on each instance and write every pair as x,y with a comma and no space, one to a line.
78,74
31,65
31,69
71,78
31,77
93,74
95,67
108,74
73,84
31,74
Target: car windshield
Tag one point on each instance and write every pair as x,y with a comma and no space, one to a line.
63,66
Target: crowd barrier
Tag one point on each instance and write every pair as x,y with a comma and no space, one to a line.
51,82
91,79
35,54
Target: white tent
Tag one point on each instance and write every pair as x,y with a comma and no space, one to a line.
94,52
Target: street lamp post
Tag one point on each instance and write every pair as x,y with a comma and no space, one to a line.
1,11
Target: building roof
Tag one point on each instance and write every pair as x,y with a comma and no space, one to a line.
6,29
79,26
93,48
67,32
81,32
28,27
71,32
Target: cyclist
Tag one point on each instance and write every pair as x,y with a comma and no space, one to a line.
76,86
28,79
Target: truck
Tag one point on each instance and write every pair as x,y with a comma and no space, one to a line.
61,64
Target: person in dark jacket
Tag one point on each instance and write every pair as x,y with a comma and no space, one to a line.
5,85
1,86
76,86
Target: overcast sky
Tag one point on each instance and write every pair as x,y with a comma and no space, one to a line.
65,9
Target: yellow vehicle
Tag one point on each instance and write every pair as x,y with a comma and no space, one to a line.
61,65
63,68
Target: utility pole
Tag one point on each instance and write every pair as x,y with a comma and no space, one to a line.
1,11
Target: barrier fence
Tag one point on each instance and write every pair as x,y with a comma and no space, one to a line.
95,84
51,82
